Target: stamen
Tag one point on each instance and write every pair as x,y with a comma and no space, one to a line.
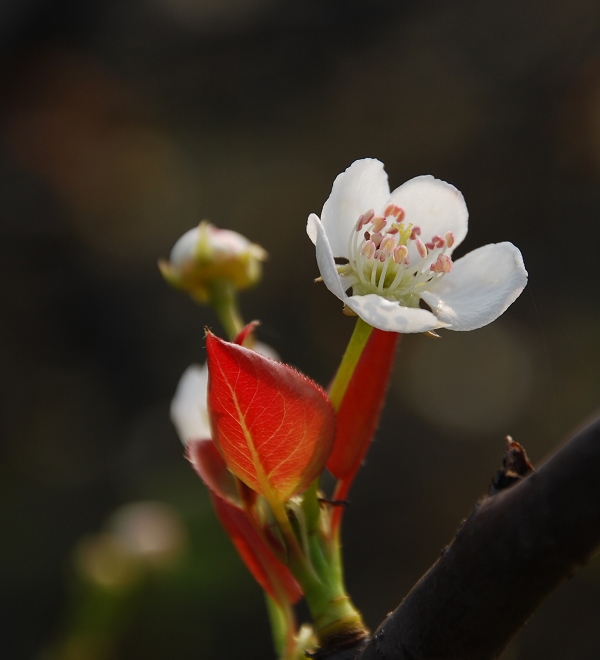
384,239
369,215
386,264
395,211
368,249
387,244
376,238
400,253
374,273
379,223
421,248
443,264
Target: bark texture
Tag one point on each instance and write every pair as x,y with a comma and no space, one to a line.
515,548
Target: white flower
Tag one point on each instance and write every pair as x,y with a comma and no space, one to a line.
396,250
189,410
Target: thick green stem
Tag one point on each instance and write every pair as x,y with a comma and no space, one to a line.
223,300
358,341
334,616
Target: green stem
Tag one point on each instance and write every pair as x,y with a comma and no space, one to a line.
358,340
223,300
283,628
334,616
333,613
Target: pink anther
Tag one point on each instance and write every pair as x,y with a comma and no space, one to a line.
443,264
421,248
449,239
400,254
368,249
393,210
376,237
369,216
388,244
389,210
360,223
379,223
392,230
416,231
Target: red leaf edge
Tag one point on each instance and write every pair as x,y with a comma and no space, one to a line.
272,575
212,469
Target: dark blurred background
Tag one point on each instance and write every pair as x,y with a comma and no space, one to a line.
122,125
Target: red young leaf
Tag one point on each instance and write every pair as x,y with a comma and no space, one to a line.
273,426
211,468
272,575
245,332
359,412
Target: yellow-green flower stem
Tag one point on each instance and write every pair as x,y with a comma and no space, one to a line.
280,626
289,644
223,299
358,340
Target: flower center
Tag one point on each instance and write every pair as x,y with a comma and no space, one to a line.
386,256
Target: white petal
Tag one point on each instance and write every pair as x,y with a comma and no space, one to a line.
433,205
184,248
480,287
325,260
189,412
361,187
390,316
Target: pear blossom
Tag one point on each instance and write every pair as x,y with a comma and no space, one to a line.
384,254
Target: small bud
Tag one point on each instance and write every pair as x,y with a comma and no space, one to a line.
206,255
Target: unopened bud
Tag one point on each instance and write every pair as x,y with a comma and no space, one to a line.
206,255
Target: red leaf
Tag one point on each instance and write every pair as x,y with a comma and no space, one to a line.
211,468
272,575
359,412
245,332
273,426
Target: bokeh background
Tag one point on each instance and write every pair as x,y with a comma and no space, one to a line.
122,125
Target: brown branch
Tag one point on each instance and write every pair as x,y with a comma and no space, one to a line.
514,549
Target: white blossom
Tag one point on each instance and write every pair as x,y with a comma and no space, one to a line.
383,253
